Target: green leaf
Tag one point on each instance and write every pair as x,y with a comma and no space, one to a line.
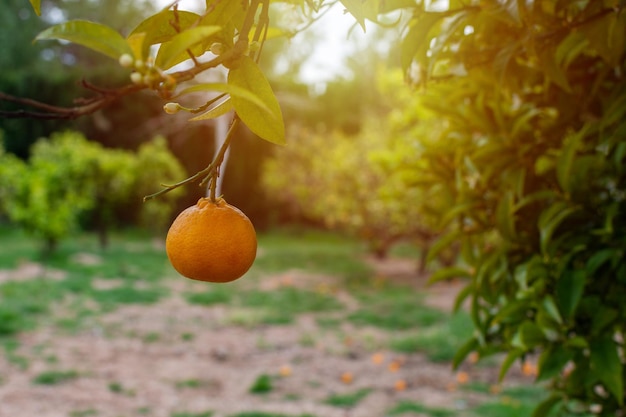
550,219
511,357
217,111
570,47
603,317
528,336
469,207
460,355
461,297
545,407
266,124
601,257
607,365
505,217
158,28
416,41
442,243
174,51
549,305
569,291
448,273
233,90
566,160
534,197
362,10
36,6
552,70
95,36
552,361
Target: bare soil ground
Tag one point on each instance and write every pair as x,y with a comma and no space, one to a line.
172,358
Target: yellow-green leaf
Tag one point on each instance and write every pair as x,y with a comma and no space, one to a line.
159,28
266,124
217,111
36,6
231,89
362,10
137,41
172,52
95,36
416,42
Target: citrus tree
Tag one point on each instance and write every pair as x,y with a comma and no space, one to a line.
532,97
69,179
353,182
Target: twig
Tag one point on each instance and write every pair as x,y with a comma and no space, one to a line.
207,174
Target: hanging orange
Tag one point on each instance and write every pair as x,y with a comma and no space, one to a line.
211,241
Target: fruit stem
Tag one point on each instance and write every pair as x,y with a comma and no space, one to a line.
217,161
209,173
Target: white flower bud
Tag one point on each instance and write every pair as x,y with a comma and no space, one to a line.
136,78
126,60
171,108
217,48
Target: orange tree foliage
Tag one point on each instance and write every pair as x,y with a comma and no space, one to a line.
533,99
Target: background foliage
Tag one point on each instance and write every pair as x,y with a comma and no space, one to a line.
69,180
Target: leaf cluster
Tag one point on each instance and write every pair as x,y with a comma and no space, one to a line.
531,98
69,178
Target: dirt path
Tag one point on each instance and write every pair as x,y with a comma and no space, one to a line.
172,358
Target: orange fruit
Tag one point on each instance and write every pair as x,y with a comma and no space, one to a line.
347,377
400,385
462,377
211,241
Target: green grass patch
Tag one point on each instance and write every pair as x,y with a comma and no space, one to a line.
313,251
406,407
439,342
90,412
519,401
262,385
192,383
216,295
131,256
264,414
283,304
16,247
55,377
126,295
187,414
23,302
348,400
477,386
395,308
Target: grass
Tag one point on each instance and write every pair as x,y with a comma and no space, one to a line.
395,308
131,257
519,401
216,295
264,414
283,304
187,414
313,251
348,400
405,407
439,342
262,385
55,377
